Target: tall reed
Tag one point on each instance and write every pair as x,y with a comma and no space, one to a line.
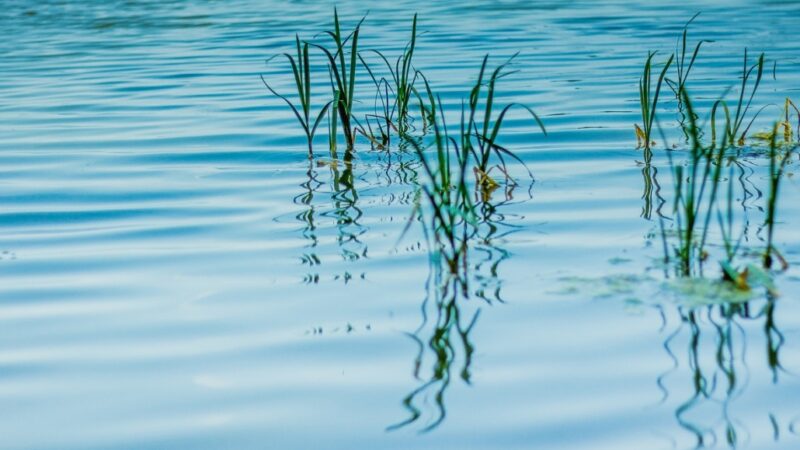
479,134
682,67
777,163
302,77
342,71
648,100
741,106
696,188
445,189
403,78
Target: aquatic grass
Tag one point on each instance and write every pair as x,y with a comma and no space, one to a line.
445,189
648,100
302,77
741,106
403,78
786,124
777,163
726,222
696,186
333,125
683,68
486,129
343,74
701,176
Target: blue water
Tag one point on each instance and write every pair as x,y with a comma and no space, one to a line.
175,274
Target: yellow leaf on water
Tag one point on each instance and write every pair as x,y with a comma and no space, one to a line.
641,138
485,183
763,135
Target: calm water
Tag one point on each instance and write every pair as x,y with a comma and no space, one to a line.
174,274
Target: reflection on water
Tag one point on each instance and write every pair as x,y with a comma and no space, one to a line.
652,189
343,211
715,357
712,373
308,217
488,251
146,301
443,345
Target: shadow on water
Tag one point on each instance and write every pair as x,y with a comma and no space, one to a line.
715,356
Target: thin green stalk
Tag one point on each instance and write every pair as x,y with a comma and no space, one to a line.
403,78
741,106
777,163
343,75
302,77
683,69
485,144
648,100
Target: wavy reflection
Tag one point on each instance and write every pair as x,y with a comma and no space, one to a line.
339,204
308,217
443,339
715,358
652,189
444,346
488,251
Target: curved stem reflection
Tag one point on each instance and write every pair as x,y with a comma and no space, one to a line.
343,211
719,384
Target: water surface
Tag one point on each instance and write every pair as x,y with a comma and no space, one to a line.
174,273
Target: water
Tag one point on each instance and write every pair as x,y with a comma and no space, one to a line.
174,274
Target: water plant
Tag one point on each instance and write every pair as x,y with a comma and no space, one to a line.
648,100
741,106
682,66
692,182
403,77
682,70
479,135
445,190
342,71
777,162
786,124
302,77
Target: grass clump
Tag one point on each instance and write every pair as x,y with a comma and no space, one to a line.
445,190
342,71
741,106
696,185
403,77
479,134
777,164
302,77
648,100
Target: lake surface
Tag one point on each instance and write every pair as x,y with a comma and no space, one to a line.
175,274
